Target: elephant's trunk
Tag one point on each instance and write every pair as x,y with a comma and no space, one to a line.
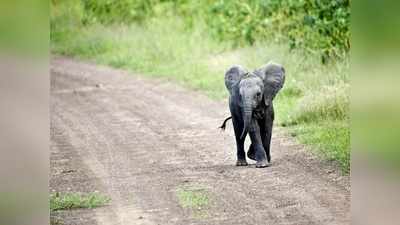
247,114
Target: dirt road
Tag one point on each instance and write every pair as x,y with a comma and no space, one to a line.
140,141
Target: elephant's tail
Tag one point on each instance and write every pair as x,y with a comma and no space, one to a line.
224,123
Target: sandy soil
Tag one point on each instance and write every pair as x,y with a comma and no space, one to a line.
139,141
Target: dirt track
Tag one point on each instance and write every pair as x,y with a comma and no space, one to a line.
139,141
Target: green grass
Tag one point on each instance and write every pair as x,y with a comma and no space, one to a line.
314,103
77,200
193,198
332,138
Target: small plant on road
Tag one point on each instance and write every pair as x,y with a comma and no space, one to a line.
77,200
192,198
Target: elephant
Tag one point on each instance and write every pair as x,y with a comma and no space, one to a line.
251,96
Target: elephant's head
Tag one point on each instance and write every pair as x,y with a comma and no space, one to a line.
255,90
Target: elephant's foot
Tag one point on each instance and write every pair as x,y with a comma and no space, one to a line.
262,164
241,162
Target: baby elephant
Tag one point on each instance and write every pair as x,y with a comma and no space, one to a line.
252,111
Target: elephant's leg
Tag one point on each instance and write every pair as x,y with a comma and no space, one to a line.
241,156
263,133
267,140
257,143
251,152
267,132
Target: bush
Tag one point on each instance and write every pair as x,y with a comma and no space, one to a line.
318,26
121,11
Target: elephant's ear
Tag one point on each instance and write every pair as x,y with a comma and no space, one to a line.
233,76
273,76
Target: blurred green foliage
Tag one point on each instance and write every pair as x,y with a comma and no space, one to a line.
121,11
317,26
24,27
320,26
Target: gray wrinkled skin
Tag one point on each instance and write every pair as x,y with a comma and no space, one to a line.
251,96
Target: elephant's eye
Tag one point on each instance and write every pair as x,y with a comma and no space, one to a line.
258,94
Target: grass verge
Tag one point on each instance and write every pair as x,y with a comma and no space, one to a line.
313,104
330,137
76,200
